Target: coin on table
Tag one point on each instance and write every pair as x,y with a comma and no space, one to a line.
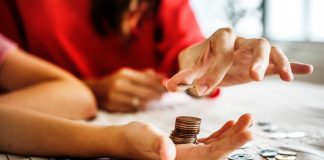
288,153
270,128
264,123
297,134
278,135
268,152
285,157
241,156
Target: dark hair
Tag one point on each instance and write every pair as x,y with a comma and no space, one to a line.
109,12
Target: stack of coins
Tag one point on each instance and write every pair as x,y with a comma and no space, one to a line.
186,130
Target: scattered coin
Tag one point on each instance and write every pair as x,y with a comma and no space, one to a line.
241,156
270,128
268,153
285,157
297,134
278,135
288,153
264,123
186,130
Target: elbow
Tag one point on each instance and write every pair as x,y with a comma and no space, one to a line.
87,108
83,104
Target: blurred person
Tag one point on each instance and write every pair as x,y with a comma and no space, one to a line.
123,49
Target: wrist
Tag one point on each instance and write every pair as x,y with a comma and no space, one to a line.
109,141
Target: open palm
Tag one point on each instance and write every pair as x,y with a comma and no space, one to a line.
220,144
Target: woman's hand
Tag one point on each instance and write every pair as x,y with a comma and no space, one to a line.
220,144
143,141
127,90
225,59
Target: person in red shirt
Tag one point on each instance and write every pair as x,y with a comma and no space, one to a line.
40,98
123,49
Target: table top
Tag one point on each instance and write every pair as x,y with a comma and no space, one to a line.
294,106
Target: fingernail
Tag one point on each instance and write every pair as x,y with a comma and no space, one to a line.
202,89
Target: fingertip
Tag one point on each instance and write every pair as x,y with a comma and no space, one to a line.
171,85
247,116
255,75
179,78
300,68
230,122
244,122
286,74
310,69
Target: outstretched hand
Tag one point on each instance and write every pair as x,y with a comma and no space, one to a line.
146,142
225,59
220,144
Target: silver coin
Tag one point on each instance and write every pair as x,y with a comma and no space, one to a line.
268,152
296,134
278,135
285,157
241,156
264,123
270,128
288,153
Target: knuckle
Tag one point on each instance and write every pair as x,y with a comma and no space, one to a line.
262,41
227,57
276,48
226,30
123,71
141,125
118,83
222,32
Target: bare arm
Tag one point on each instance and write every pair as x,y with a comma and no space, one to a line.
32,83
25,132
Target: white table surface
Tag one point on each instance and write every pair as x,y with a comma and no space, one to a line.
295,106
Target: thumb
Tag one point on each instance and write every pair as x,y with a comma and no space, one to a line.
182,80
166,149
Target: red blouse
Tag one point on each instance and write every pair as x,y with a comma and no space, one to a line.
61,32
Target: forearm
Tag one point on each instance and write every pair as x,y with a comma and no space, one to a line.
26,132
61,98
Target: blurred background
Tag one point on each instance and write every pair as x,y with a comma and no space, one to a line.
295,25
